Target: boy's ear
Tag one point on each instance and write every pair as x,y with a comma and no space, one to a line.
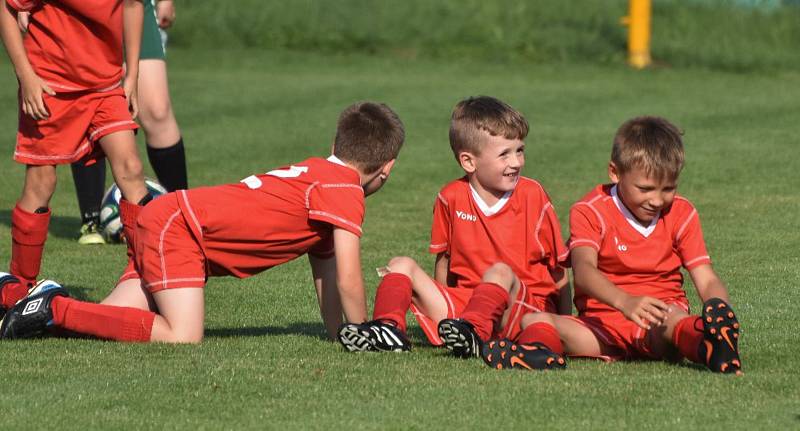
467,161
613,172
387,167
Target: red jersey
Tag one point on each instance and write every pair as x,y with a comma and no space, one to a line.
266,220
521,230
639,260
74,45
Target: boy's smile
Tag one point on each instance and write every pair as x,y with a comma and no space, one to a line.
644,196
495,171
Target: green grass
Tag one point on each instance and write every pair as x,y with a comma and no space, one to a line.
714,34
264,363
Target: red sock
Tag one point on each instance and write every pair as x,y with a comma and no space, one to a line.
128,213
12,293
393,299
28,235
541,332
485,309
687,338
102,321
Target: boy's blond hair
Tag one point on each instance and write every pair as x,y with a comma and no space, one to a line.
483,113
368,135
650,143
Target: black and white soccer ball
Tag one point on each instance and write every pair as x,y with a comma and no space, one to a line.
110,223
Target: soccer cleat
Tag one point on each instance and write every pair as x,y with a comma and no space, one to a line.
32,314
90,234
720,347
5,278
459,336
505,354
373,336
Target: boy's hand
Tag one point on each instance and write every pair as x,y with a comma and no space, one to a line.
645,311
130,88
32,101
165,13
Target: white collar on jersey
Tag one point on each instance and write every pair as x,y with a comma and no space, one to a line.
334,159
486,209
645,231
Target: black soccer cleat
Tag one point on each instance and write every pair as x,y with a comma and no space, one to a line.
373,336
5,278
459,336
504,354
720,347
32,315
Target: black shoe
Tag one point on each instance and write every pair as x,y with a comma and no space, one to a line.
504,354
5,278
460,337
720,349
32,315
373,336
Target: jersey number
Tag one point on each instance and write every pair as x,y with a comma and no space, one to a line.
293,172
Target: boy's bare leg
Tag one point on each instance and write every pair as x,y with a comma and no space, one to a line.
120,149
425,295
155,108
129,293
40,183
181,315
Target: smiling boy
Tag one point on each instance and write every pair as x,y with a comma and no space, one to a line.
497,243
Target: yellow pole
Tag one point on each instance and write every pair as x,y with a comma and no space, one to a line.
638,22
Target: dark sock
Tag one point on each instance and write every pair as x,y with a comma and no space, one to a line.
169,164
89,184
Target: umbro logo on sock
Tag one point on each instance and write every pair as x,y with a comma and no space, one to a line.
32,306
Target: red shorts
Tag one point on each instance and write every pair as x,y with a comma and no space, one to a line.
622,336
457,298
77,122
167,254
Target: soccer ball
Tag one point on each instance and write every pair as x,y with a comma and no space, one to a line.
110,223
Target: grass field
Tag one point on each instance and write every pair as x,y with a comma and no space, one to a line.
264,363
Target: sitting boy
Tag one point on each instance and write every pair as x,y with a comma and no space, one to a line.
489,216
628,241
315,207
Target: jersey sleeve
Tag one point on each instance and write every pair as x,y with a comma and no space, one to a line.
23,5
689,242
440,228
341,205
585,227
550,239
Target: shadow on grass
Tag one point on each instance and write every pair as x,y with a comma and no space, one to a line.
308,329
60,226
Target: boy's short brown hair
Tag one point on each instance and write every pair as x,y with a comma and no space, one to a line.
650,143
483,113
368,135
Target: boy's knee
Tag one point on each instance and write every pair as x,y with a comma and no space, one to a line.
154,113
500,274
402,265
130,169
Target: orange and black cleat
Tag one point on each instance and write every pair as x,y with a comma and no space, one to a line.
504,354
720,347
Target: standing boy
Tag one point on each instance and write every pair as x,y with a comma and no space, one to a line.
315,206
75,101
163,139
628,241
496,239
